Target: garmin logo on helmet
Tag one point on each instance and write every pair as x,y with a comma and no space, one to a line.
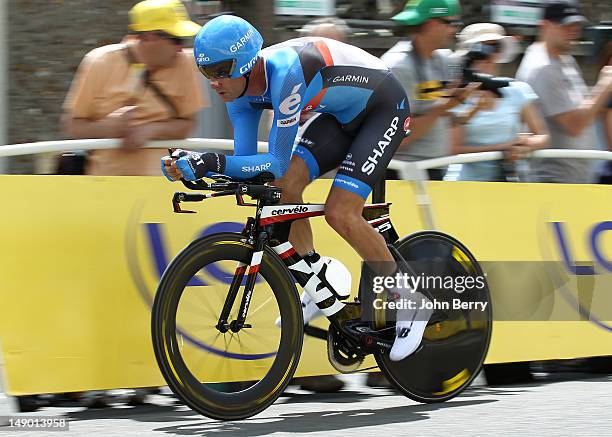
247,67
242,41
438,11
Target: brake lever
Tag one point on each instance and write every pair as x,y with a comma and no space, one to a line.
176,207
185,197
241,190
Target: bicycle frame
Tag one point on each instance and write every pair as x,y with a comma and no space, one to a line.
271,226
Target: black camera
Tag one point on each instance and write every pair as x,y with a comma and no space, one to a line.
479,52
489,82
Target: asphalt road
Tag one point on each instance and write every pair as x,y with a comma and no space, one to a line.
561,405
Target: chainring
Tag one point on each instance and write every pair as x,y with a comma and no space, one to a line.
339,354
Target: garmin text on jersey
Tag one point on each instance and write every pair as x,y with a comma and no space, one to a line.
350,78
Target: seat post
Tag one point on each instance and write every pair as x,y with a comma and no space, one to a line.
378,191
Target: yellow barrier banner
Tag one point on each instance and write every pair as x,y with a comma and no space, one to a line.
82,257
565,231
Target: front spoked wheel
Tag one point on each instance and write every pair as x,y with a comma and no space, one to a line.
456,340
220,373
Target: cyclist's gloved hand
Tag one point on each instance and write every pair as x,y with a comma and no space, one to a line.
194,165
169,169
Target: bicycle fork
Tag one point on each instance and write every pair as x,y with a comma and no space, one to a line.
253,268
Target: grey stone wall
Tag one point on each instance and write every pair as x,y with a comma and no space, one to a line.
47,39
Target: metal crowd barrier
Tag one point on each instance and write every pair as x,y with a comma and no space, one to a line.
407,170
414,171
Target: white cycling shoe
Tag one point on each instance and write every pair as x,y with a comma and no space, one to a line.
336,274
410,327
310,310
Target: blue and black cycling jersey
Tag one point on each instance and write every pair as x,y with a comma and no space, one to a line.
364,104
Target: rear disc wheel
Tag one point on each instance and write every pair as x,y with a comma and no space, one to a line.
456,341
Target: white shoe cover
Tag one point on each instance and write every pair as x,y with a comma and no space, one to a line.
336,274
310,310
409,328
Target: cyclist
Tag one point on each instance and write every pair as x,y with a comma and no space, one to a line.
364,115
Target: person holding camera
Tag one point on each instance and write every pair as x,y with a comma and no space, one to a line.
423,67
569,108
492,117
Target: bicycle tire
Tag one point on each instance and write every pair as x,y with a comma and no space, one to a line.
443,367
200,398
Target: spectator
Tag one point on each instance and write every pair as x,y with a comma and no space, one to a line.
328,27
423,68
604,124
145,88
564,99
491,121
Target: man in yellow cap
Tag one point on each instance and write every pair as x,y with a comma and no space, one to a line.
145,88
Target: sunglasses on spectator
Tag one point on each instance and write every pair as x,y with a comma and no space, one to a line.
218,70
495,45
174,39
454,23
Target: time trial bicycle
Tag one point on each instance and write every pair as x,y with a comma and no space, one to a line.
213,328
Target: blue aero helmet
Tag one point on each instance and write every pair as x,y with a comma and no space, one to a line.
227,46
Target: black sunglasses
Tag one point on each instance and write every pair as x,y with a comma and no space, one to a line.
454,23
174,39
487,47
218,70
494,45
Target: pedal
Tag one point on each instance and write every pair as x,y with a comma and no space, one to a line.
350,312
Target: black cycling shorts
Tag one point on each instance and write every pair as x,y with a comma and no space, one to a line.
362,149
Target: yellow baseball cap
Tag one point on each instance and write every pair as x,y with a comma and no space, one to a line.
169,16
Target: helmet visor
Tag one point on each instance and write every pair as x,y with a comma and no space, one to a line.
218,70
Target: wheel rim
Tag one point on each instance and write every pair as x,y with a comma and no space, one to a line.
198,366
453,350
